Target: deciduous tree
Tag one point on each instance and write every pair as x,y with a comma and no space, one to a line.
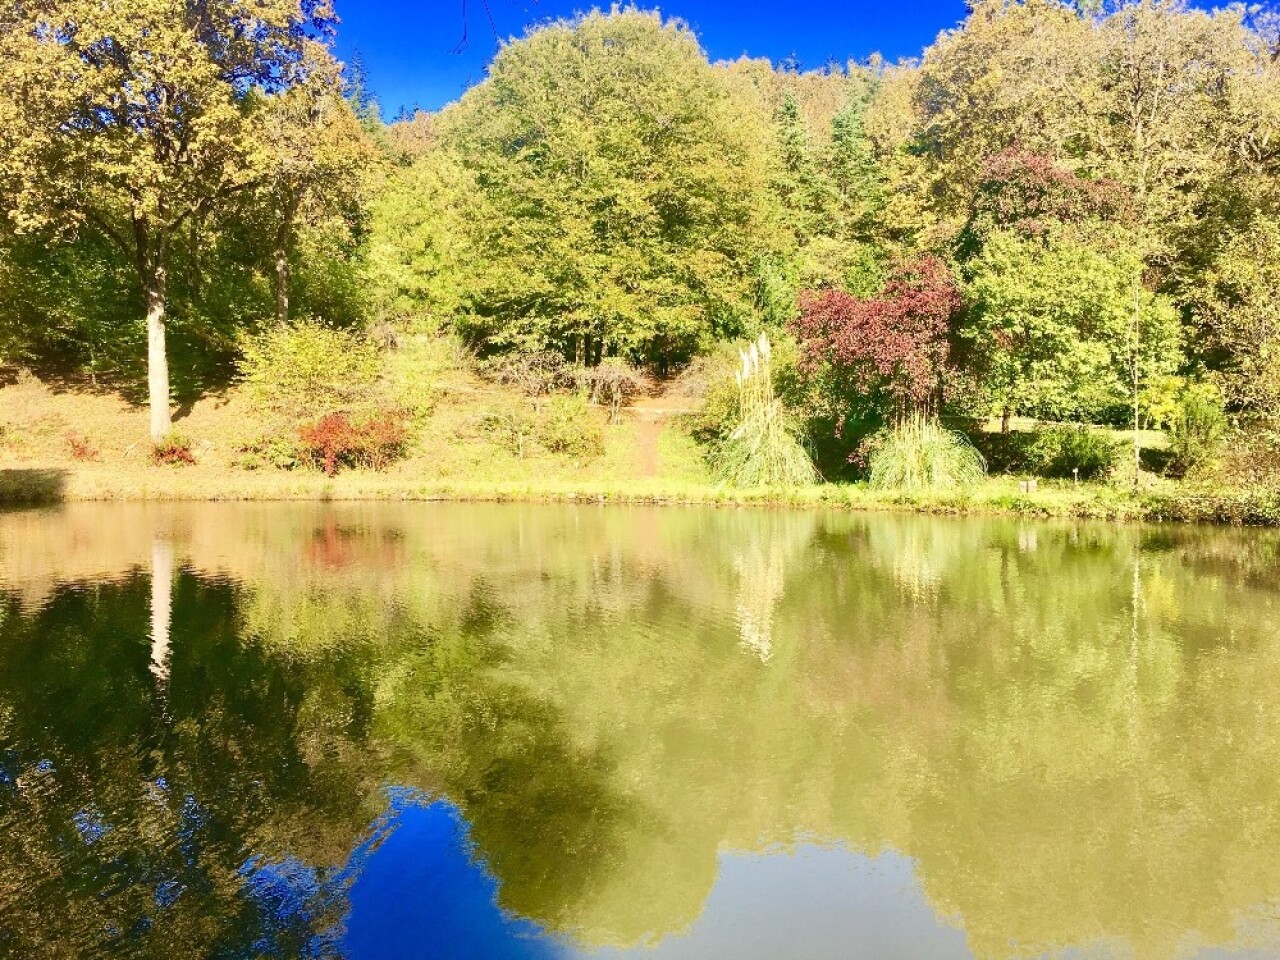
139,120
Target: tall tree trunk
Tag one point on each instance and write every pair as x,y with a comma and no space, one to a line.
157,354
1005,414
161,606
284,240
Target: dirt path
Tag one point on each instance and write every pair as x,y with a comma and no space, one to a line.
650,414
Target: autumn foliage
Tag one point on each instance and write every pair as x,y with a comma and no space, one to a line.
893,346
1027,192
336,441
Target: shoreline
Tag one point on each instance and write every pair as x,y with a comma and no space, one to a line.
36,485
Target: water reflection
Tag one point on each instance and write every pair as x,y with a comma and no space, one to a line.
427,730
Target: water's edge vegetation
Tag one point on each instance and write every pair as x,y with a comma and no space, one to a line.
1260,507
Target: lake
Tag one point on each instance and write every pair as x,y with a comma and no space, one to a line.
506,731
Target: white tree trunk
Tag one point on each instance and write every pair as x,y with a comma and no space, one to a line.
157,356
161,607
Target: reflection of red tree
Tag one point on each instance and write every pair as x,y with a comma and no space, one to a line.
337,547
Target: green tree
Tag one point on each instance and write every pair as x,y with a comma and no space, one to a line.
139,121
1050,326
321,158
617,194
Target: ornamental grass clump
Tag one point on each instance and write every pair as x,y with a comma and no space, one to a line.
763,450
920,454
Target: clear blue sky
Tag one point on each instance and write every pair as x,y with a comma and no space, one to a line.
408,45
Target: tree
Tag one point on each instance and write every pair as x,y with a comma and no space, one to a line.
616,193
1242,315
138,121
890,349
1049,326
320,154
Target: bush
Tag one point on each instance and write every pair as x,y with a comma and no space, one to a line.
569,426
1196,430
173,451
920,454
515,429
1060,451
613,384
81,448
336,441
278,452
564,425
534,374
293,371
763,449
1247,457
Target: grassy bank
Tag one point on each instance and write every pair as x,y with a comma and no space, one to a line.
645,459
998,496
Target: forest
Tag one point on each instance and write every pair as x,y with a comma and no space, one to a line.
1047,247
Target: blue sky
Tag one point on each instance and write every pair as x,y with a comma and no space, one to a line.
408,45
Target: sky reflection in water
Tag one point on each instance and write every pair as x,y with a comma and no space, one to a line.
442,731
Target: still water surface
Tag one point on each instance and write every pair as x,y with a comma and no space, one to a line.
455,731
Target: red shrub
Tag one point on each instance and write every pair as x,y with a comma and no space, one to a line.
173,451
82,448
895,345
335,441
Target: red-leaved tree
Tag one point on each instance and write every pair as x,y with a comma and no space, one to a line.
891,349
1026,192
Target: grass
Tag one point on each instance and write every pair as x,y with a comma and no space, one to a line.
642,463
920,455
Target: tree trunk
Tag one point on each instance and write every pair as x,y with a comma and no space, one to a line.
284,240
157,355
161,607
1005,415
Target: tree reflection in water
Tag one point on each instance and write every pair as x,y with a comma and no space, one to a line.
1065,747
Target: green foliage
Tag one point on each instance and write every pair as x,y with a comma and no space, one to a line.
1246,458
1060,451
513,428
919,454
1197,429
615,194
273,451
1050,326
568,425
563,424
762,450
295,371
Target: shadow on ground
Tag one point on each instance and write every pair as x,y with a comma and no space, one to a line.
31,486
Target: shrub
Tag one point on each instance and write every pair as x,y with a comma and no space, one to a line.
422,366
613,384
1247,457
81,448
565,424
173,451
515,429
293,371
278,452
569,426
763,449
920,454
1196,429
336,441
1060,451
534,374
